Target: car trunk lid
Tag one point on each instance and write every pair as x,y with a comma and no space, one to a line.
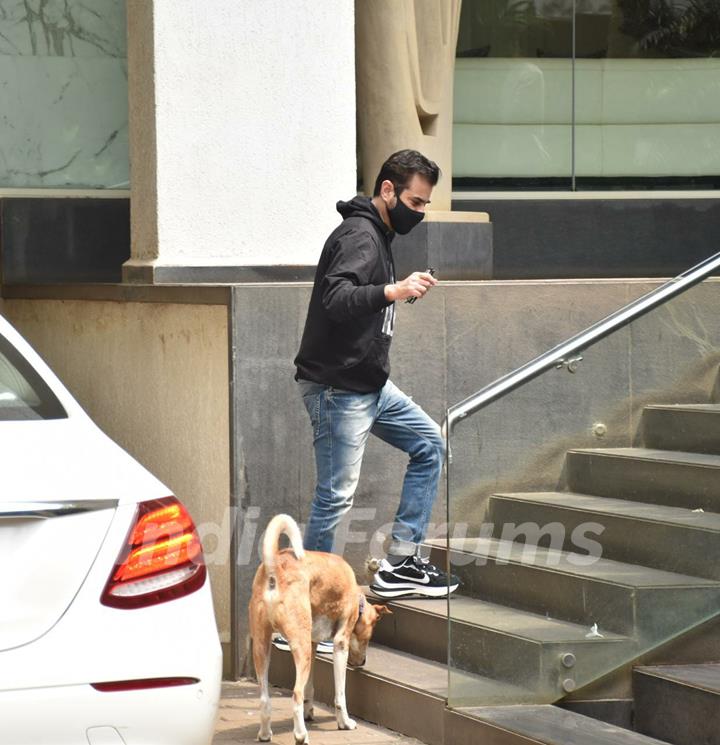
46,550
60,483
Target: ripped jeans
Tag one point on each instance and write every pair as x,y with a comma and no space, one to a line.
342,421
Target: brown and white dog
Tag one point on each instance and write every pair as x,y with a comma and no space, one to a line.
306,596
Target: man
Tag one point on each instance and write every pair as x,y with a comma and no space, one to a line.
343,368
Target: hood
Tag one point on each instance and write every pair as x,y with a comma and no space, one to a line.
363,207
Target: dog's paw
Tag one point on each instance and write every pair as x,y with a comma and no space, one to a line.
264,736
347,724
304,740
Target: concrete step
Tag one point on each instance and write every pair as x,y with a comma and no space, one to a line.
675,539
693,428
537,724
679,703
397,690
619,597
489,639
671,478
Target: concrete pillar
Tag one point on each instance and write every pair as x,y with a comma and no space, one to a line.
405,64
242,134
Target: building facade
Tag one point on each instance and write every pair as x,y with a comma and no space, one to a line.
169,175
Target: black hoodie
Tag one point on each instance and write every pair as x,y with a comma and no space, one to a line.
349,324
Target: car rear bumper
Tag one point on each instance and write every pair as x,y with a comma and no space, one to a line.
70,715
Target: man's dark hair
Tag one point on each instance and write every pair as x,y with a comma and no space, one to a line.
400,167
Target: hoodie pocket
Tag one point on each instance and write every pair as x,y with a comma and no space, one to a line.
375,367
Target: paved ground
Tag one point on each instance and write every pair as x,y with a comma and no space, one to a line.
239,719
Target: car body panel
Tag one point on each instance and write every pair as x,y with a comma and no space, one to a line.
45,562
73,715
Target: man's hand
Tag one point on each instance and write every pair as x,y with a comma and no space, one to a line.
416,285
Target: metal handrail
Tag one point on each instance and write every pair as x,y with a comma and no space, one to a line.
566,353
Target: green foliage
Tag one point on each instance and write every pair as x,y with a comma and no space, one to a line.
672,28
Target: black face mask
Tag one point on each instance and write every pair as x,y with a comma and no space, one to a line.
403,219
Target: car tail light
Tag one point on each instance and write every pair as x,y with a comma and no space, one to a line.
117,686
162,558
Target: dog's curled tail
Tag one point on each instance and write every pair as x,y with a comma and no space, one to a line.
277,526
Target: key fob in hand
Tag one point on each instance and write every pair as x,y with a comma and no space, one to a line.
431,271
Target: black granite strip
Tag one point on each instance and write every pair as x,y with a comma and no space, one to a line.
594,238
61,239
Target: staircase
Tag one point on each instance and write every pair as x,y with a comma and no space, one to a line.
679,703
538,634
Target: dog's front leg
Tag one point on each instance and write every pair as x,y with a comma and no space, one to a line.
340,658
308,712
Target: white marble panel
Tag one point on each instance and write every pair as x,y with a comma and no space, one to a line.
63,76
63,28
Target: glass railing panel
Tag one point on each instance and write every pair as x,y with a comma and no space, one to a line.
584,511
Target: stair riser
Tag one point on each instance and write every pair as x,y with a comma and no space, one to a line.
659,545
661,617
540,590
407,630
550,725
406,710
679,714
672,484
493,654
689,431
584,600
473,649
618,712
462,730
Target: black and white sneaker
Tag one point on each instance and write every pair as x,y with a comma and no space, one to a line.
414,576
280,642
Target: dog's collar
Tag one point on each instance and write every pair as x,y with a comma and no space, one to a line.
361,606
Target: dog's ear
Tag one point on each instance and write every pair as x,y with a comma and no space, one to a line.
382,610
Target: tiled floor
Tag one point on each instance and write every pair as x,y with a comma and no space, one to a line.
239,719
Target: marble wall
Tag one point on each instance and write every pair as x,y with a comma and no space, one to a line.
63,76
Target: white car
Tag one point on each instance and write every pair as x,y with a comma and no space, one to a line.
107,629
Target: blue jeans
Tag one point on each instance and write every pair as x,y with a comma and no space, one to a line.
342,421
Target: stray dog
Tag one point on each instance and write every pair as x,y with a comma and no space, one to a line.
307,596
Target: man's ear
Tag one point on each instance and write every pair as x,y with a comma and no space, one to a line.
387,190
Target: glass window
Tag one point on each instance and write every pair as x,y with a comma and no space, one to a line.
656,104
513,97
606,93
23,393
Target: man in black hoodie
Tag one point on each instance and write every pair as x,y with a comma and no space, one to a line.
343,372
